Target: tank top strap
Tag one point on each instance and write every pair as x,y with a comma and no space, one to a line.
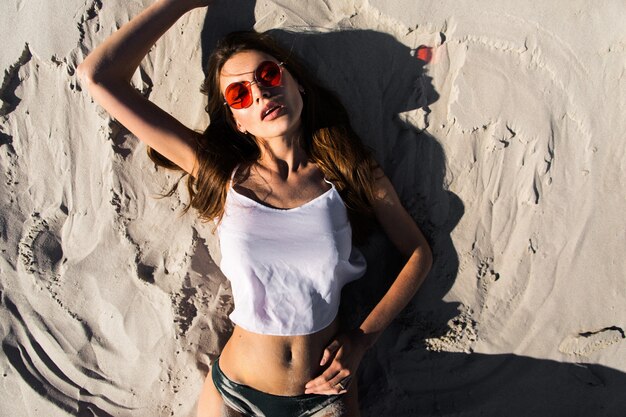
232,176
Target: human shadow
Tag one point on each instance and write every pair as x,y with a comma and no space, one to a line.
377,96
423,383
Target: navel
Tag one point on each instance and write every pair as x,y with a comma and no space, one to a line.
287,356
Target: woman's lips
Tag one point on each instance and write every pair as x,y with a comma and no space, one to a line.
272,111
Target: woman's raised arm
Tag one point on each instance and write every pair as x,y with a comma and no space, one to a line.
108,69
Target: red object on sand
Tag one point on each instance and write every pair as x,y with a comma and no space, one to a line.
424,53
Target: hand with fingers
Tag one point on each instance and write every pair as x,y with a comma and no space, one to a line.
343,355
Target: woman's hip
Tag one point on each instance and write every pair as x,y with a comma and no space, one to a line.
275,364
252,402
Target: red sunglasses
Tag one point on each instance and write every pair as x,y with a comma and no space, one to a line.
239,95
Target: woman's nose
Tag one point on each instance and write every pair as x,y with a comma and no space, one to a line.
259,91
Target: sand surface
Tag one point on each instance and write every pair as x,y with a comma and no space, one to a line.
500,123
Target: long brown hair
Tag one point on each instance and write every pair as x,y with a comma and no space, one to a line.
328,138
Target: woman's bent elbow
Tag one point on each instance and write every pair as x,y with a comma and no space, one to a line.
84,72
86,75
89,74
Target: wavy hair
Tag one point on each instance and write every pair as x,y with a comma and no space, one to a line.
328,139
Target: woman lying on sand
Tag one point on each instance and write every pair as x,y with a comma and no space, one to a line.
287,181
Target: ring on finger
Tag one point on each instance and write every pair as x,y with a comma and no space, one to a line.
343,384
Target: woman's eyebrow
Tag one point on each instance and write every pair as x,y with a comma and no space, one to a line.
237,74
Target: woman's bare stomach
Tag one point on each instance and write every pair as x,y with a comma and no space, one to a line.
279,365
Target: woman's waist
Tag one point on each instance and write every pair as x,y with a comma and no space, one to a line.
279,365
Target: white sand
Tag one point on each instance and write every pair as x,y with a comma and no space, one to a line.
508,148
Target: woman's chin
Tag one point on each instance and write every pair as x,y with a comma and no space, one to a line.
278,128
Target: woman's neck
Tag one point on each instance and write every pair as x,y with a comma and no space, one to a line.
283,155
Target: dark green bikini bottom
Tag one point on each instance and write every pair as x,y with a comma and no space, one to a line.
252,402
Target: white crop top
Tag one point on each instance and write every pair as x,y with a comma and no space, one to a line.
287,266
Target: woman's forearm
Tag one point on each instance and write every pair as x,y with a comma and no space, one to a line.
118,56
356,342
398,296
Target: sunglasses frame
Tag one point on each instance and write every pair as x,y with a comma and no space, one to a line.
249,84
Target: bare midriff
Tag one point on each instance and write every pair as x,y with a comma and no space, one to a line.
279,365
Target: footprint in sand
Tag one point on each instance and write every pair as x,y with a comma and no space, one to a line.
584,344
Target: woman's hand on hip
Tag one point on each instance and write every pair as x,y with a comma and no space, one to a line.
344,354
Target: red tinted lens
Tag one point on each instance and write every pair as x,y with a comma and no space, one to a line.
268,74
238,95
